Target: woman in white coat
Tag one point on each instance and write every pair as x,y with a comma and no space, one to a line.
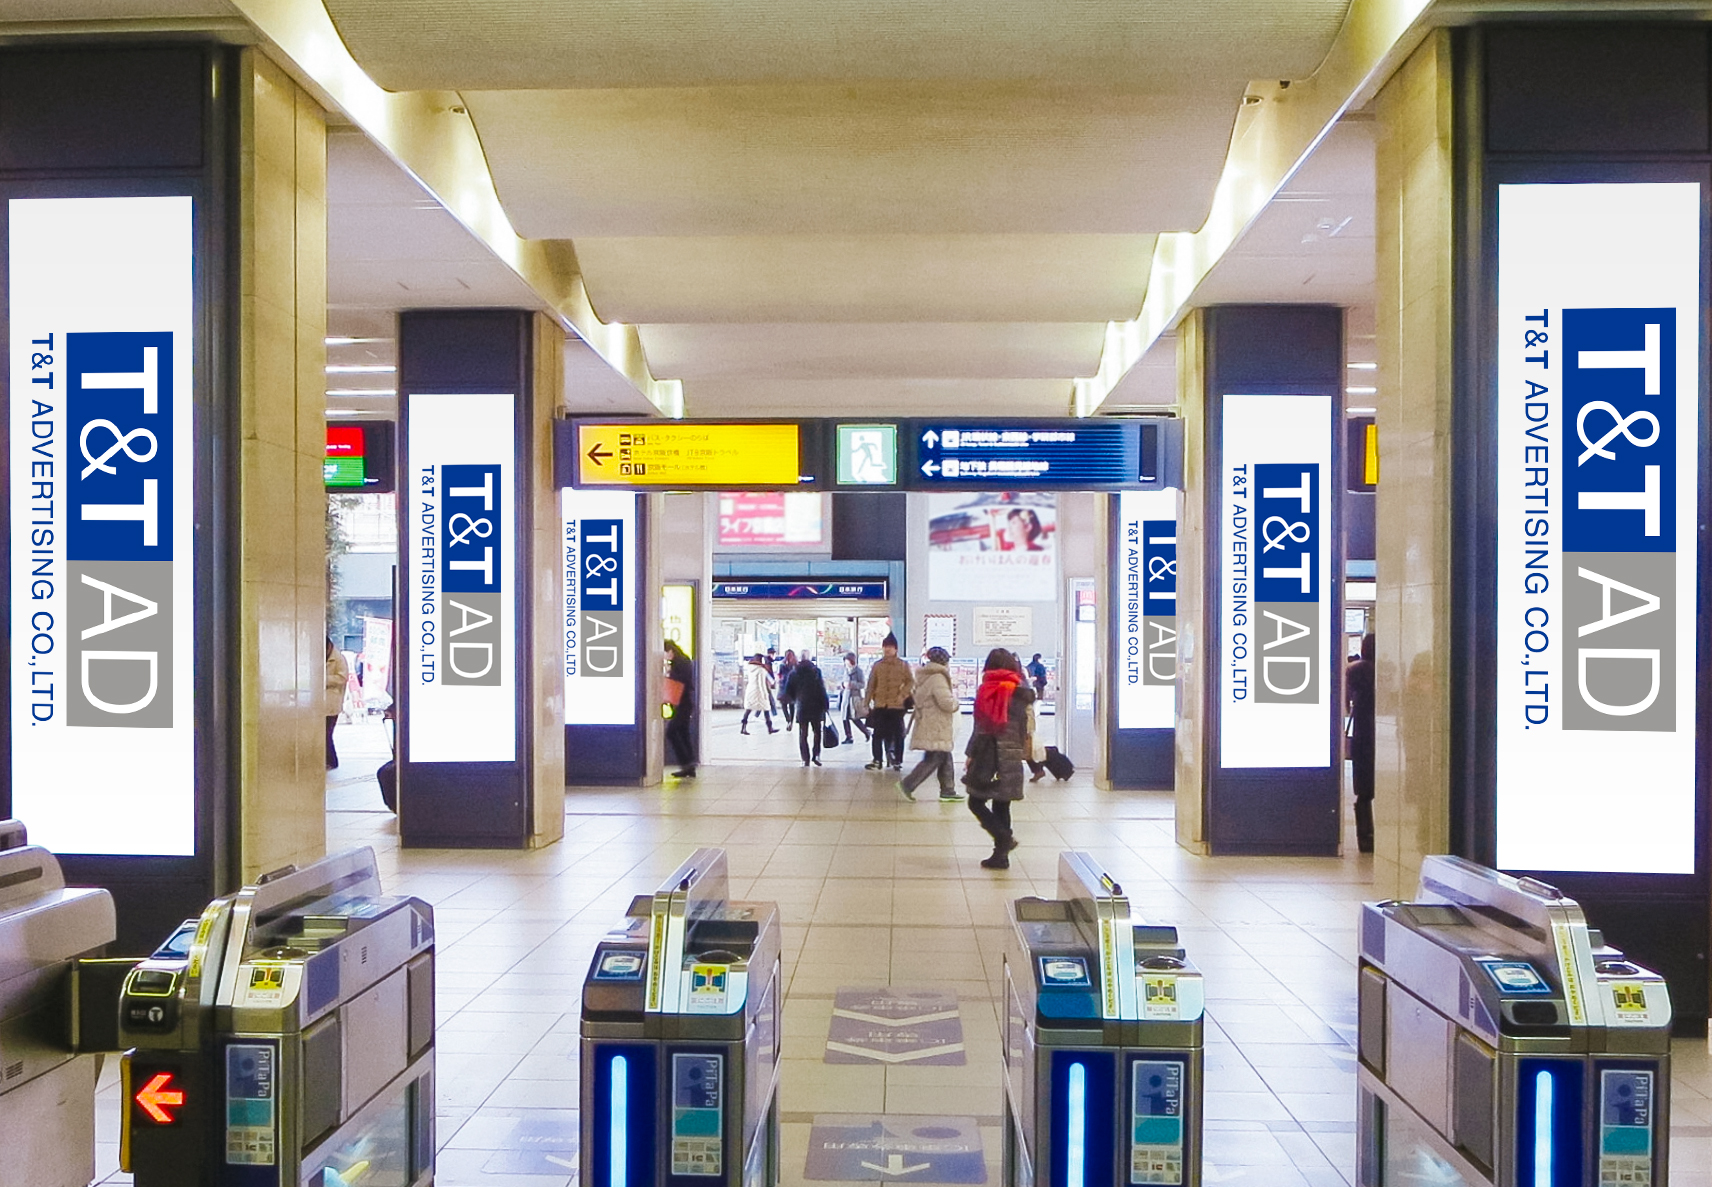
935,731
757,693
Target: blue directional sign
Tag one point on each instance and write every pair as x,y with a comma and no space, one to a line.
1027,455
871,589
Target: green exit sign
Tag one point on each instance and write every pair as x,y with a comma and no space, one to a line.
867,455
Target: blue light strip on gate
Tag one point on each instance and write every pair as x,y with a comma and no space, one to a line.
619,1170
1544,1089
1076,1141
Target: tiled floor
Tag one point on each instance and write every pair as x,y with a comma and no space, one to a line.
873,891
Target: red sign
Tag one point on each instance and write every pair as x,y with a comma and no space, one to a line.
771,520
344,441
157,1096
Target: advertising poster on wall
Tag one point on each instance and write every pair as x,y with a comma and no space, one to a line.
101,307
1598,436
1146,566
1275,592
984,546
772,519
460,641
599,540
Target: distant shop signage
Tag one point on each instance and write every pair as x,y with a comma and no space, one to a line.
1598,437
600,571
460,587
808,591
1146,568
1275,592
101,308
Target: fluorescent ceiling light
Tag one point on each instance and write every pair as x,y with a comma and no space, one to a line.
360,391
360,368
1364,366
342,412
1361,391
1362,411
341,340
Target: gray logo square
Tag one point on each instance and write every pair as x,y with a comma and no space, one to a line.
119,638
470,638
1619,641
602,646
1287,653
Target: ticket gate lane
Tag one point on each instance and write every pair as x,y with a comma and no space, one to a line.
47,1091
1103,1041
1502,1042
286,1039
681,1038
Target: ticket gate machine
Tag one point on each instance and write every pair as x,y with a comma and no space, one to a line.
680,1039
286,1040
47,1092
1502,1042
1103,1041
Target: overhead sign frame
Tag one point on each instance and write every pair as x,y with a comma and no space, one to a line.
1100,454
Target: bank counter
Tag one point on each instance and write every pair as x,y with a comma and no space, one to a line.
1103,1041
47,1091
285,1039
1502,1042
680,1039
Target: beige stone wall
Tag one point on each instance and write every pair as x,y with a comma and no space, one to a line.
546,589
1415,327
281,499
1191,589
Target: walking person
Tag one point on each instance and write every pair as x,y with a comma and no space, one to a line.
783,677
1037,677
1358,690
996,751
890,683
338,674
757,693
935,729
807,690
681,696
854,682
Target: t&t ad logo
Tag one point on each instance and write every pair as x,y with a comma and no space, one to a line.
471,543
1287,585
602,578
1619,519
118,525
1159,601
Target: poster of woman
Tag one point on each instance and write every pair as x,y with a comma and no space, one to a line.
985,546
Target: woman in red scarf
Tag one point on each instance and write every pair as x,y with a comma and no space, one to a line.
997,749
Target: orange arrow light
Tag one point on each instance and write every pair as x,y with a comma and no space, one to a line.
156,1098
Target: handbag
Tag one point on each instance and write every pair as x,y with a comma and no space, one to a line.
982,773
673,690
828,737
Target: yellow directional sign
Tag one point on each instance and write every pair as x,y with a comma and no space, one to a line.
687,453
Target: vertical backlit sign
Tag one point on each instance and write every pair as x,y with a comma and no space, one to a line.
1598,437
1147,609
459,589
101,306
601,568
1275,592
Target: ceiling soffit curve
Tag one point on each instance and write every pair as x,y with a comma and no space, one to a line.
556,44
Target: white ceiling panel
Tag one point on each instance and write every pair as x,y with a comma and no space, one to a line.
910,159
542,44
853,278
990,350
877,397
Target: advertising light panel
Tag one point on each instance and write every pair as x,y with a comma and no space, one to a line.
1147,610
1275,591
460,640
601,568
1598,436
101,304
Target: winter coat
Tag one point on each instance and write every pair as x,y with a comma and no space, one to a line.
1013,748
338,674
890,682
807,687
936,707
757,686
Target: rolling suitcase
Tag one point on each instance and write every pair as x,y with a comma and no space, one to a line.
1059,764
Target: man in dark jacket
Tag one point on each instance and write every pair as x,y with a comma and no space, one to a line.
807,690
1358,688
680,729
